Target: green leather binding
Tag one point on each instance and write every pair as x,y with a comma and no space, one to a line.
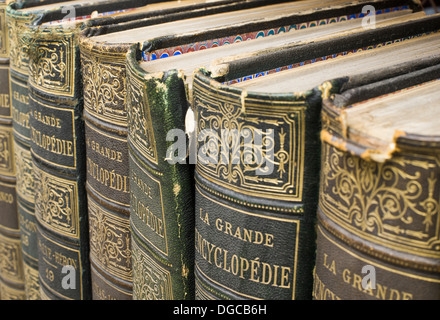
161,205
105,114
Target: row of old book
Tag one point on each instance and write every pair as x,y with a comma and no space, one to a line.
235,149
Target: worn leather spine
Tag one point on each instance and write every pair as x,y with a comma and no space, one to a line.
58,154
11,256
255,207
244,214
19,39
162,194
360,233
103,69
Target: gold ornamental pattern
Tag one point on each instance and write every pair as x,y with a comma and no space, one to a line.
20,40
110,241
25,174
7,161
395,203
32,284
11,261
52,63
140,125
56,203
4,52
10,293
153,281
241,161
104,88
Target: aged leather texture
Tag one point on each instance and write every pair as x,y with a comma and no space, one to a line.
359,229
11,262
50,62
255,223
162,194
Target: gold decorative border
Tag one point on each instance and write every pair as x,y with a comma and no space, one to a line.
110,241
54,55
350,206
56,203
11,259
41,278
145,271
104,83
291,164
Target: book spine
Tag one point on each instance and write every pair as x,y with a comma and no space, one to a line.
108,187
57,149
161,192
11,257
19,96
377,221
256,194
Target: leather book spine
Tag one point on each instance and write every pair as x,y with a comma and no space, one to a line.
11,261
161,193
18,41
377,232
57,149
256,192
108,188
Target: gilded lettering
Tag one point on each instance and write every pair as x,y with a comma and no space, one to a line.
253,270
244,234
331,267
20,118
110,179
205,218
48,120
4,101
6,197
144,213
52,144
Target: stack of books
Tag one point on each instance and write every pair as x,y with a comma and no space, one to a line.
219,150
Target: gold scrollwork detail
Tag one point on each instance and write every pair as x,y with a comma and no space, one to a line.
396,201
7,161
32,284
51,64
140,125
25,174
104,89
20,40
11,265
110,241
256,153
152,281
4,52
56,203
